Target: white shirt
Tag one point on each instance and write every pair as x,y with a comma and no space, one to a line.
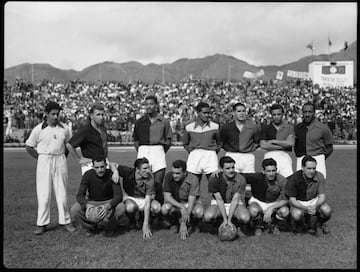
49,140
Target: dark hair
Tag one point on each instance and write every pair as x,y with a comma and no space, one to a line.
96,106
51,105
306,159
267,162
98,159
237,105
179,164
153,97
202,105
140,161
276,107
226,159
308,104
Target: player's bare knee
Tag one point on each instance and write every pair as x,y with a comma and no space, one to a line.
74,210
131,207
155,207
210,213
283,212
254,210
296,213
198,211
325,211
242,214
165,209
119,210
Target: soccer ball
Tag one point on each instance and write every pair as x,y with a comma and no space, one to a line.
227,233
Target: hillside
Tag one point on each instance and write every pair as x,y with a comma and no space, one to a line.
217,66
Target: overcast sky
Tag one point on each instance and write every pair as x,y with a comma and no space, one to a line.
76,35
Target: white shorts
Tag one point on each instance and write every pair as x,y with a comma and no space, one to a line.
155,154
244,162
89,165
283,161
263,205
320,166
309,203
202,161
227,205
139,201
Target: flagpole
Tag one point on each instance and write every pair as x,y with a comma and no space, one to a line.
229,71
32,72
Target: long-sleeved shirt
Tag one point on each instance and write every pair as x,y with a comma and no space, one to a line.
201,137
98,188
90,141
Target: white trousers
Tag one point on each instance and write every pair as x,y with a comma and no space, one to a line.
52,172
320,166
283,162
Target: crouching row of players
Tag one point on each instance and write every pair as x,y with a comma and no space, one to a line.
296,203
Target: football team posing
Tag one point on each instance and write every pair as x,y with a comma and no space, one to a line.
235,198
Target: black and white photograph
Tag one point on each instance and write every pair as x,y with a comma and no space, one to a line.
179,135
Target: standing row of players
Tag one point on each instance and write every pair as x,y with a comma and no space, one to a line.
203,139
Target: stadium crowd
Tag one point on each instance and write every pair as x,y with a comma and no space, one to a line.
24,103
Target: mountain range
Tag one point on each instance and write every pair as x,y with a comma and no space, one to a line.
218,66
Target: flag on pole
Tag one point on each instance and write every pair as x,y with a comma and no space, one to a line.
346,45
310,46
330,43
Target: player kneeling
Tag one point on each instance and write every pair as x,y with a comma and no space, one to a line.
268,203
228,189
99,200
139,193
306,192
181,198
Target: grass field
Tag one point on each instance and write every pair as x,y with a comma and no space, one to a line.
58,249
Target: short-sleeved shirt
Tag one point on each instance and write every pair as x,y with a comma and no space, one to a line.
227,188
266,191
180,191
205,137
91,143
235,141
269,132
134,188
98,188
49,140
312,140
304,189
157,133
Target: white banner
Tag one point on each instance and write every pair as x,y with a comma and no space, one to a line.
297,74
332,74
248,74
279,75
